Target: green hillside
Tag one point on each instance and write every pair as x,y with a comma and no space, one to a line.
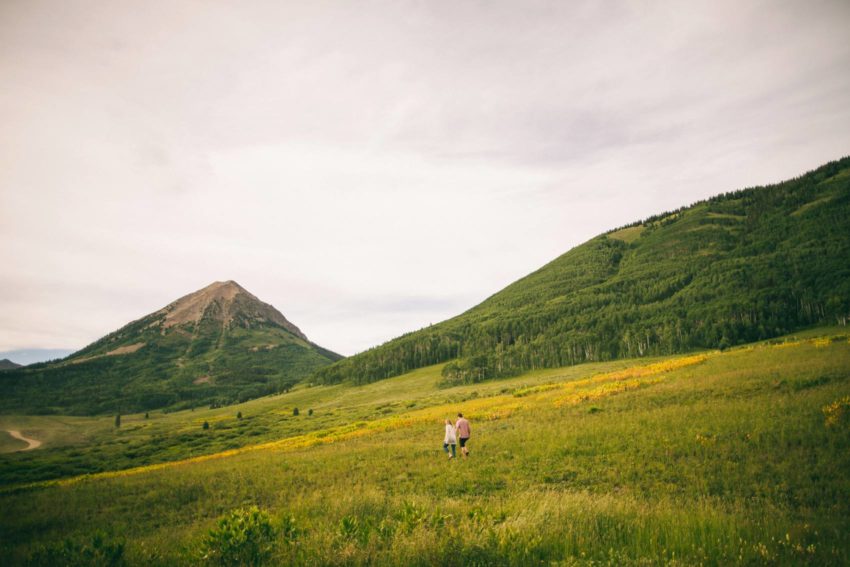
713,458
740,267
219,345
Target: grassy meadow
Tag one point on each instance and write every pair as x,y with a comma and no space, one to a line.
713,458
9,444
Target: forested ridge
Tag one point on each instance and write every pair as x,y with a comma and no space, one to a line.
220,358
742,266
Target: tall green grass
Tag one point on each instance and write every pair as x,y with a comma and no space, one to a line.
725,462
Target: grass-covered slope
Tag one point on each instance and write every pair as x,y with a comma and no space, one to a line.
732,458
219,345
739,267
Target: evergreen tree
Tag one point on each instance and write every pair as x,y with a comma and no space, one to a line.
740,267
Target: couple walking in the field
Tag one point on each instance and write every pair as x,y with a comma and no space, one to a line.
460,431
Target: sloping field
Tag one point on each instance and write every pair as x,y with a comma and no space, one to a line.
9,443
713,458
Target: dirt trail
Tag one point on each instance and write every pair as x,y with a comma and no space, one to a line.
33,443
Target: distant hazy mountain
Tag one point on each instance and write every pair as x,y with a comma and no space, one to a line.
7,364
217,345
739,267
33,355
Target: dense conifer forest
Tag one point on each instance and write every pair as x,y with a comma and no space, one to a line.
743,266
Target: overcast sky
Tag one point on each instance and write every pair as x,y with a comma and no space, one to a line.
372,167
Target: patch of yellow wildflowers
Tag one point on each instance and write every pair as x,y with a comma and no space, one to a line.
837,412
486,408
610,383
497,407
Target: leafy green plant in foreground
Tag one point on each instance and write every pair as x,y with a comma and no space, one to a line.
245,537
99,551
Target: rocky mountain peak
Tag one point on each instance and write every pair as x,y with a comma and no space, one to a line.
227,302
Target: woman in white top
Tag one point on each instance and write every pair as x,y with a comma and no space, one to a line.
450,439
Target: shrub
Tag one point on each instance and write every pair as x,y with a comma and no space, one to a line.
289,531
206,425
349,527
101,551
310,411
243,537
239,415
352,530
410,516
295,411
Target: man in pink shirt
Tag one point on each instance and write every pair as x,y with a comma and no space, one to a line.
463,432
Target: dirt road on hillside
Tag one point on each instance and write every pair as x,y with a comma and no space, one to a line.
33,443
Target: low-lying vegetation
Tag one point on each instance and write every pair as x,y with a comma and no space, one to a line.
739,457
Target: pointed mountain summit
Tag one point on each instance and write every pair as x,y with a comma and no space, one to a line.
7,364
215,346
229,303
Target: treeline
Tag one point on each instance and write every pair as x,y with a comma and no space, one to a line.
743,266
175,370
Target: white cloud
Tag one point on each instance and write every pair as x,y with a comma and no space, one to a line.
373,168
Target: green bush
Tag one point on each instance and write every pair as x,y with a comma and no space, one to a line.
100,551
289,531
350,528
243,537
